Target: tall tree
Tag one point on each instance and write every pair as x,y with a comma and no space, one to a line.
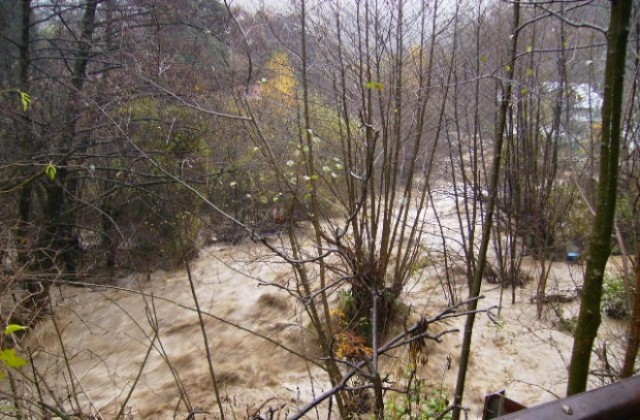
600,243
474,292
58,237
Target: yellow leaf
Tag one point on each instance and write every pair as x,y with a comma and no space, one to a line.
51,171
11,359
11,328
282,84
25,98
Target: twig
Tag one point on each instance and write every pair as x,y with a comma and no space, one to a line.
538,386
204,338
65,356
394,342
135,381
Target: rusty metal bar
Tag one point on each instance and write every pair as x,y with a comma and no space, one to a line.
497,404
618,401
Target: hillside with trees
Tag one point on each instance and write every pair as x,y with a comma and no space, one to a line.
334,192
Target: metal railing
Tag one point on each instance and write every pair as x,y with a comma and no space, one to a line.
618,401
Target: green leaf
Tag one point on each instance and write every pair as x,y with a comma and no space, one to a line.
375,85
25,98
11,328
484,58
51,171
10,358
529,72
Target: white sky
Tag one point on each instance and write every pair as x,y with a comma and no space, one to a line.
253,5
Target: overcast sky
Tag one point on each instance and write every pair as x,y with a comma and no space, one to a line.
253,5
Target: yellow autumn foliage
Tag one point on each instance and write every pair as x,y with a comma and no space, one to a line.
281,81
352,345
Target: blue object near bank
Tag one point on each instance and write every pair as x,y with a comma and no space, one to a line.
573,256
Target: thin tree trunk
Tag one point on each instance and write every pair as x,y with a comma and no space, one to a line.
486,229
634,330
331,366
58,234
600,244
24,207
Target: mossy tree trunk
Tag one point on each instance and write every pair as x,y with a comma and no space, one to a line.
600,243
